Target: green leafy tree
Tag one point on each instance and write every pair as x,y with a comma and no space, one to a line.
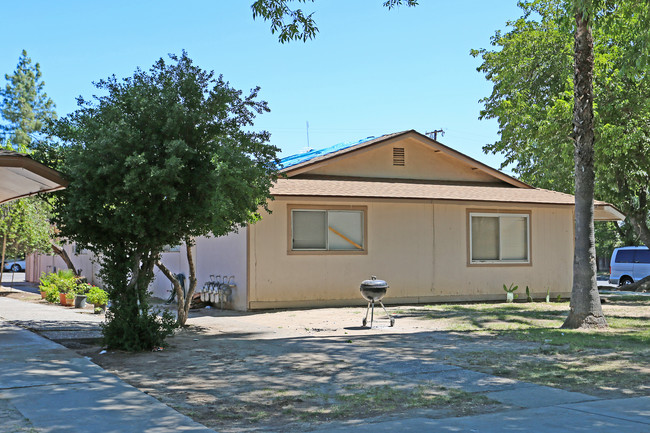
162,158
24,225
536,110
27,111
24,228
294,23
25,106
578,15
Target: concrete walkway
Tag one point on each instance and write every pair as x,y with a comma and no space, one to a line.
631,415
45,387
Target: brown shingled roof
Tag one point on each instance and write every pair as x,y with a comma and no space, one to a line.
410,190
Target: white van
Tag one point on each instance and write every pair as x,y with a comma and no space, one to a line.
629,264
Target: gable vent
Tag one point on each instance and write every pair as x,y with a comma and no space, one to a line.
398,156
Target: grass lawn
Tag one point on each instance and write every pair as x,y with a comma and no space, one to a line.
610,362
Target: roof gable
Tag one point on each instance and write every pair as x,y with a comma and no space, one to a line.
403,155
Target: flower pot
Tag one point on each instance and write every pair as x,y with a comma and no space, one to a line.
65,301
43,294
99,308
80,301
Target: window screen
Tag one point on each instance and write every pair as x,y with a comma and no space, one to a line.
514,238
329,230
499,238
309,230
485,238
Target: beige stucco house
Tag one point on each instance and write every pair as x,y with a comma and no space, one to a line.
437,225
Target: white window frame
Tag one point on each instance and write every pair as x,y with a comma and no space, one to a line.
499,215
327,250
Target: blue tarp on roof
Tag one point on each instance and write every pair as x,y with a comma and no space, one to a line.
292,160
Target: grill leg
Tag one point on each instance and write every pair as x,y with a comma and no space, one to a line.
392,321
365,319
372,313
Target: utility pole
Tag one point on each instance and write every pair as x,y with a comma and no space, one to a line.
434,134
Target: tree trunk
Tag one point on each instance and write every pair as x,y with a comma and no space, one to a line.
642,285
4,250
586,311
184,300
192,279
638,220
180,296
145,276
61,252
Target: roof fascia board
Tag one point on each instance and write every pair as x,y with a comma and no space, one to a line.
617,214
35,167
57,188
438,200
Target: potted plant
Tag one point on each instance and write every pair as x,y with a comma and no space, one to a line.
81,295
46,283
65,283
97,297
510,292
66,298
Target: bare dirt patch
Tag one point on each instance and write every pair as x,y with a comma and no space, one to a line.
293,370
20,295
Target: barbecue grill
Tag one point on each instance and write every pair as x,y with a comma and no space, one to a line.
374,290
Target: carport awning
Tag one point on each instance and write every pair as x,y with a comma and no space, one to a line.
21,176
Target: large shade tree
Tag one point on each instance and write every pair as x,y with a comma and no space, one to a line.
531,69
163,157
585,303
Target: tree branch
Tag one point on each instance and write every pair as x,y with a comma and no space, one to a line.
170,276
61,252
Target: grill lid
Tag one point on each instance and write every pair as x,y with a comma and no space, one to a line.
373,283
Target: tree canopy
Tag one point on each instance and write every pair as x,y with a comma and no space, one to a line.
294,24
24,228
531,70
25,106
163,157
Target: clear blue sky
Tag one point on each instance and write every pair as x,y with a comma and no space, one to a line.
370,71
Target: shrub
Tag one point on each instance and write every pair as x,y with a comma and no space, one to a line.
97,296
51,294
47,281
82,288
146,332
62,281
